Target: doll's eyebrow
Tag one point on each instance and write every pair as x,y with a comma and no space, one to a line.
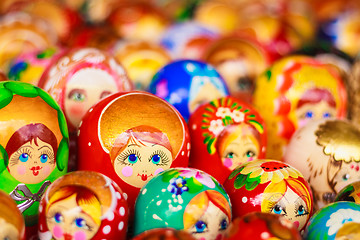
133,144
44,147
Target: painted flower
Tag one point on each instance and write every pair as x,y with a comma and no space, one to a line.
216,126
238,116
274,171
222,112
340,217
177,186
202,177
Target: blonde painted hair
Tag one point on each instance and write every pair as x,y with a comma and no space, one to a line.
200,203
84,198
277,190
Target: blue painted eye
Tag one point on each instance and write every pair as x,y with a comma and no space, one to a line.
223,224
309,114
278,210
132,158
326,115
24,157
80,222
200,226
230,155
156,159
58,218
44,158
301,210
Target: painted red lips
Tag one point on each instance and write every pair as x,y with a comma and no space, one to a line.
36,170
144,177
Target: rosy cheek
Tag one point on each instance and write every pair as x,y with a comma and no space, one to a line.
127,171
46,170
58,232
303,122
250,159
21,170
228,162
79,235
77,111
157,171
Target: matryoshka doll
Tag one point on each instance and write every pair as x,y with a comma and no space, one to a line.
270,186
79,78
200,83
224,134
141,60
184,199
327,152
239,60
34,146
294,91
83,205
131,137
350,193
337,221
264,226
21,33
12,226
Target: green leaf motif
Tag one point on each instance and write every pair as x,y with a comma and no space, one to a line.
22,89
63,124
268,74
235,172
4,159
240,181
251,185
168,175
62,155
48,99
6,97
194,185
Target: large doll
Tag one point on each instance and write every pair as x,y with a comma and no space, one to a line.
184,199
272,187
224,134
294,91
131,137
327,152
33,145
83,205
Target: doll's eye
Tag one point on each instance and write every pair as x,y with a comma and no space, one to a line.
346,177
77,96
200,226
132,158
24,157
58,218
309,114
156,159
301,210
326,115
278,210
250,154
230,155
80,222
223,224
44,158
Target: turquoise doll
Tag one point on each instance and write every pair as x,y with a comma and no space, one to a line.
184,199
34,146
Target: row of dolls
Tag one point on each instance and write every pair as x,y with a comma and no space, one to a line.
132,137
262,199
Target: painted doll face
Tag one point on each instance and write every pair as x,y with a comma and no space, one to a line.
140,161
292,207
314,111
66,220
211,225
239,147
348,173
8,231
85,88
32,162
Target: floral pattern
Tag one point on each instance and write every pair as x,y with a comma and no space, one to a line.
177,186
338,218
224,112
258,172
202,177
